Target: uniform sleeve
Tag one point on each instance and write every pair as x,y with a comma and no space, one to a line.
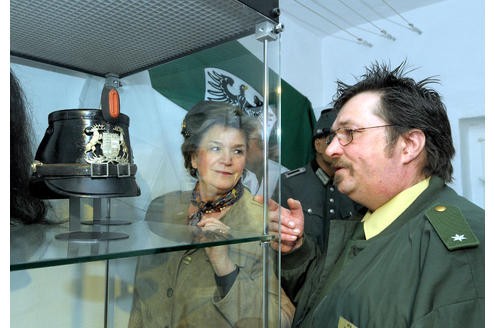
297,265
285,191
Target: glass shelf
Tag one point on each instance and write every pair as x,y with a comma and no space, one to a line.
36,246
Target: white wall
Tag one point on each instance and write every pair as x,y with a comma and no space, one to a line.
450,47
302,61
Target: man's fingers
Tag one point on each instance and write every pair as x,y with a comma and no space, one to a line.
274,227
294,205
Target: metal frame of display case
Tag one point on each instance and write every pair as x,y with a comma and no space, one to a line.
118,39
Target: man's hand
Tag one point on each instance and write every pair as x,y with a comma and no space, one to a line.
291,224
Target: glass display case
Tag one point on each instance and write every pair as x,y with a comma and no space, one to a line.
162,57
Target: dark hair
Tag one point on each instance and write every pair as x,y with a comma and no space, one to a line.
408,104
206,114
23,206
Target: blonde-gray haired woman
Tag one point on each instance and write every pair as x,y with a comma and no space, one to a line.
218,286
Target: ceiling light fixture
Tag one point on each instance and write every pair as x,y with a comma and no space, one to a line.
383,17
323,7
383,32
358,39
410,25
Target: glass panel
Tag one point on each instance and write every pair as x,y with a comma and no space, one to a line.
88,254
59,296
181,289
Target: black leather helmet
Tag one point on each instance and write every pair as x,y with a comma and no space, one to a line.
84,155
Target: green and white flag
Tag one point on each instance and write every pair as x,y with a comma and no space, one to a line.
221,85
229,72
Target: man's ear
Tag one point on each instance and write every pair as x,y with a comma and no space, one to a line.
413,144
320,145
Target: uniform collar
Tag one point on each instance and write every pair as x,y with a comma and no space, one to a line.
324,178
382,217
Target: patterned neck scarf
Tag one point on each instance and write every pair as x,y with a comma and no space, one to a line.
216,206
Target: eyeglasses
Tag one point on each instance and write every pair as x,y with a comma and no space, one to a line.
346,135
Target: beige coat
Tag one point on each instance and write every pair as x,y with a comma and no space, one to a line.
178,289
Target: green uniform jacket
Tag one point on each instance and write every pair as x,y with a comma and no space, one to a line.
321,202
403,277
178,289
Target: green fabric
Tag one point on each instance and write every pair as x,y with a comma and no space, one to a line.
403,277
452,227
182,81
297,125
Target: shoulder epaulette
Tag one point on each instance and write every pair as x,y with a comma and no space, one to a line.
293,173
452,227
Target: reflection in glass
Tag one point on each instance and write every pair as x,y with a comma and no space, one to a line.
220,285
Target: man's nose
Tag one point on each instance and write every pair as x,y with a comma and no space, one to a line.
334,148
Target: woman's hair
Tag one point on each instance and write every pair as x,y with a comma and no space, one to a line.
23,206
407,104
206,114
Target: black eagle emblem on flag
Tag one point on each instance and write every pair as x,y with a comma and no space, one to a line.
222,86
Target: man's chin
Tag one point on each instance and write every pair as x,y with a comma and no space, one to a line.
341,185
337,179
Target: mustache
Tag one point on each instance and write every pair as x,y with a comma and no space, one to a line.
336,163
339,164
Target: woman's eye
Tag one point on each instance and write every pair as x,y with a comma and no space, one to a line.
239,151
215,148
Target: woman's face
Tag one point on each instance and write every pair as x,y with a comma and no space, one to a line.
220,160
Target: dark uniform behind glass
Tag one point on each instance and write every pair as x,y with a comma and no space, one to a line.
312,185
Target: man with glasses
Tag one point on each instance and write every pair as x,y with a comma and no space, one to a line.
416,258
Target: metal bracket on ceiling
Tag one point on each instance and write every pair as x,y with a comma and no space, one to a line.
112,80
268,31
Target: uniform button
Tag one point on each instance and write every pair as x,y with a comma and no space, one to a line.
170,292
331,200
310,211
332,189
440,208
332,211
187,260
